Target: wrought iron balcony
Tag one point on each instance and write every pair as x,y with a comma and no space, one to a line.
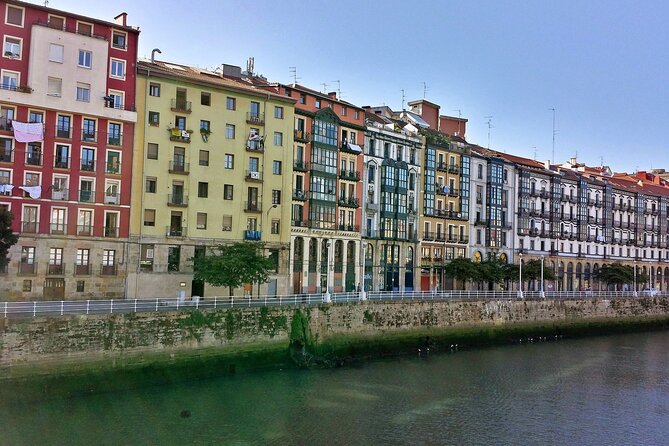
111,231
175,231
177,200
27,267
85,230
179,135
58,228
55,269
252,175
115,139
82,270
108,270
300,195
302,136
349,175
6,155
86,196
255,118
179,167
350,202
300,166
34,159
181,106
252,206
252,235
29,227
87,165
113,168
62,194
63,132
89,136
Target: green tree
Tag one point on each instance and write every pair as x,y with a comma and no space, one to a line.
7,237
489,271
532,271
616,274
233,265
461,269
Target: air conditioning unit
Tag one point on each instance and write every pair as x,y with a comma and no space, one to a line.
254,175
370,188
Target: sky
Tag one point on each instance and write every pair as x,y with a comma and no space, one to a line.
602,65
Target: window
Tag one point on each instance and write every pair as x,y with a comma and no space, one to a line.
276,196
149,217
10,80
115,99
88,133
276,167
229,131
118,40
80,286
12,47
83,92
117,69
204,158
151,185
27,285
154,90
114,134
278,139
173,258
84,28
205,98
56,22
275,227
278,112
14,16
62,156
154,118
152,151
113,162
108,257
56,52
205,126
58,220
231,103
229,161
318,103
54,86
201,220
83,256
227,222
35,116
303,98
63,126
357,114
228,192
180,122
85,58
202,189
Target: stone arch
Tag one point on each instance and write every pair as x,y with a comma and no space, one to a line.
298,249
570,276
503,258
587,282
579,277
477,257
313,250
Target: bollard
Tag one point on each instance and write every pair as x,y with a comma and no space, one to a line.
88,306
135,305
111,306
62,307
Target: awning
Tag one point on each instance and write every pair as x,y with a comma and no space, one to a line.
354,147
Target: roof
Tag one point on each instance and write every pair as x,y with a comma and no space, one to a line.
203,76
302,88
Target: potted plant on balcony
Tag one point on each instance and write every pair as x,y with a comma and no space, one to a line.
205,132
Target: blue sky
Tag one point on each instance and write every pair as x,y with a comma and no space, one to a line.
601,65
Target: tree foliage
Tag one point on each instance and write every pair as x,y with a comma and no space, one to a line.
233,265
7,237
618,274
489,271
461,269
532,271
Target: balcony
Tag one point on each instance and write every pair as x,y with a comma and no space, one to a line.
350,147
349,175
115,139
175,231
481,222
112,198
254,176
350,228
29,227
463,239
111,231
178,200
553,252
5,124
300,166
55,269
440,237
441,189
299,223
27,268
544,194
58,228
350,202
62,163
82,270
17,88
34,159
371,206
428,235
62,194
85,230
86,196
252,206
255,118
181,106
302,136
442,166
113,168
108,270
255,145
178,135
454,169
6,156
179,167
89,136
300,195
63,132
453,192
87,165
252,235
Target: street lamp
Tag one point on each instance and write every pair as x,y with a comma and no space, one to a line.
327,298
520,275
543,295
635,295
363,294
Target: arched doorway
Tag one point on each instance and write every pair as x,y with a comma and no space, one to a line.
570,276
298,264
579,277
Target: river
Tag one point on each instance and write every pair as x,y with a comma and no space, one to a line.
594,391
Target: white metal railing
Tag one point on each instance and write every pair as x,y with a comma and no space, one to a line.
60,308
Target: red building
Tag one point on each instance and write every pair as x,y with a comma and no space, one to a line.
67,105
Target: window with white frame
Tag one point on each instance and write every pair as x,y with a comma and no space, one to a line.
85,29
278,139
85,58
12,47
117,69
119,39
54,86
117,99
10,80
14,15
56,52
83,92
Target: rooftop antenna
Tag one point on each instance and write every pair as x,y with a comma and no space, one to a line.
535,152
46,3
325,87
601,161
459,120
293,73
425,89
338,88
403,99
553,153
250,66
490,126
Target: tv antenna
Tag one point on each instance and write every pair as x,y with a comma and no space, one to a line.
338,88
403,99
490,126
425,89
535,152
554,132
293,74
325,87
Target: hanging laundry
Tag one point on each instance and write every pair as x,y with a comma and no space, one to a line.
28,131
34,191
6,188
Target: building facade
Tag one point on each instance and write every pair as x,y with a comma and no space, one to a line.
213,164
67,118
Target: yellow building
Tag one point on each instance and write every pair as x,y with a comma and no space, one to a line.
211,165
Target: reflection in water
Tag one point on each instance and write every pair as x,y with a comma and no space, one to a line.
606,390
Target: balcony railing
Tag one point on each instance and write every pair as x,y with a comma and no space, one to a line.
88,165
181,105
481,222
255,145
115,139
82,270
63,132
453,192
427,235
175,231
179,167
177,200
113,168
252,206
34,159
5,124
62,194
55,269
302,136
255,118
299,223
301,195
300,166
108,270
58,228
62,163
27,268
179,135
89,136
111,198
442,166
6,156
17,88
29,227
252,175
344,227
252,235
453,168
349,175
87,196
111,231
350,202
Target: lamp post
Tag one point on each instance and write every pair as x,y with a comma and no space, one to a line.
327,298
363,294
520,275
543,295
635,295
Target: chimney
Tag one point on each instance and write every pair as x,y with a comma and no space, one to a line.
572,161
547,164
121,19
332,95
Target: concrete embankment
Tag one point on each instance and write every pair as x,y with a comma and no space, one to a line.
66,355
